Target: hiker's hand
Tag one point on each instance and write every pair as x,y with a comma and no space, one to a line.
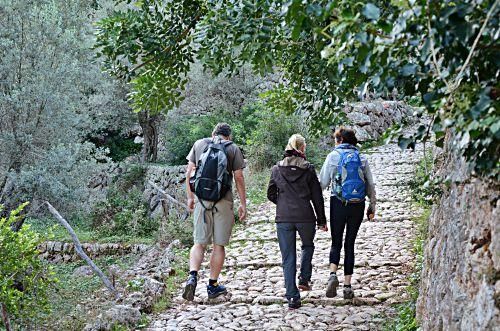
242,213
323,227
190,204
370,214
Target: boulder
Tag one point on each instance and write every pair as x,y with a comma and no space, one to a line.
359,118
361,134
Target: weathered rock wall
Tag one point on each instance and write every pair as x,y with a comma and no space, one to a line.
169,178
371,119
57,251
460,283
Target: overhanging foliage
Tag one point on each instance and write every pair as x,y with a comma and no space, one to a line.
332,52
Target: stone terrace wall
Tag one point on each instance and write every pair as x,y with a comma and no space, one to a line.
169,178
460,286
371,119
62,251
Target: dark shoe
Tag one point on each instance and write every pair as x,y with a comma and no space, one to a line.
348,293
190,288
304,285
215,291
331,289
294,303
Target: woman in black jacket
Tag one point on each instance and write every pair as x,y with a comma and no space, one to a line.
292,187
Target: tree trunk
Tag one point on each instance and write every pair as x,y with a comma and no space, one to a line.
149,125
5,317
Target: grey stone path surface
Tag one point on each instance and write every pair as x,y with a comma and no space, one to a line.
254,277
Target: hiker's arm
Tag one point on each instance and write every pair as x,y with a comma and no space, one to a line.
370,187
190,195
325,175
272,190
317,198
240,187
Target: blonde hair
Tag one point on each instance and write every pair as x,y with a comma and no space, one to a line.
296,142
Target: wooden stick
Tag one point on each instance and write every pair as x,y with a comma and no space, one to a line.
168,196
80,251
5,317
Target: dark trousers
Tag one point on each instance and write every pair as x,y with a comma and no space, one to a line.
287,238
342,216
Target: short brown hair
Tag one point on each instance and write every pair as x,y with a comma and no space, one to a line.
345,136
222,129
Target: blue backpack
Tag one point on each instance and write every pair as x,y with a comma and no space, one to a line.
349,181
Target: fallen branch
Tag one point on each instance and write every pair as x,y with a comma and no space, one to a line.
168,196
80,251
5,317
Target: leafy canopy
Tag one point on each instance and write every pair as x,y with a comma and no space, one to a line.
332,52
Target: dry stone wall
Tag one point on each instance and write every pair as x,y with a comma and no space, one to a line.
57,251
460,286
371,119
169,178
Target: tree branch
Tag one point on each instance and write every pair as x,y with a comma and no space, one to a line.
474,45
80,251
433,50
5,317
168,196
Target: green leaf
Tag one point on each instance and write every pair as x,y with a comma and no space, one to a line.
409,69
371,12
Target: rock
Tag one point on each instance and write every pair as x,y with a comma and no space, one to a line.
153,288
83,271
136,300
359,118
457,291
384,296
123,315
361,134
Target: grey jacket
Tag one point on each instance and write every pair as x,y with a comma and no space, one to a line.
329,170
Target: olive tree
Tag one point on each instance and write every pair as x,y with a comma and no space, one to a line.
53,95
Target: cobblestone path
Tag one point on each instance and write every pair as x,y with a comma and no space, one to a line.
254,277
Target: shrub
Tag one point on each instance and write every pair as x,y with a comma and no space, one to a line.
176,228
260,131
425,187
182,131
266,142
119,146
124,213
25,277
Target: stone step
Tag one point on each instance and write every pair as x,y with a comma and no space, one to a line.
256,284
369,230
276,316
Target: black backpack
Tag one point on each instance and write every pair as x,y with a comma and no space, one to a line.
212,181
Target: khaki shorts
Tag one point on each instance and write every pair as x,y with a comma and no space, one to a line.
217,224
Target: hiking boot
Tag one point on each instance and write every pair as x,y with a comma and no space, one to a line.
348,293
304,285
331,289
294,303
215,291
190,288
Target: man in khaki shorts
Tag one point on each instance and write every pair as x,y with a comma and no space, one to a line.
213,225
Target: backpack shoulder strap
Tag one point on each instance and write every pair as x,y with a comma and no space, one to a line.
209,142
